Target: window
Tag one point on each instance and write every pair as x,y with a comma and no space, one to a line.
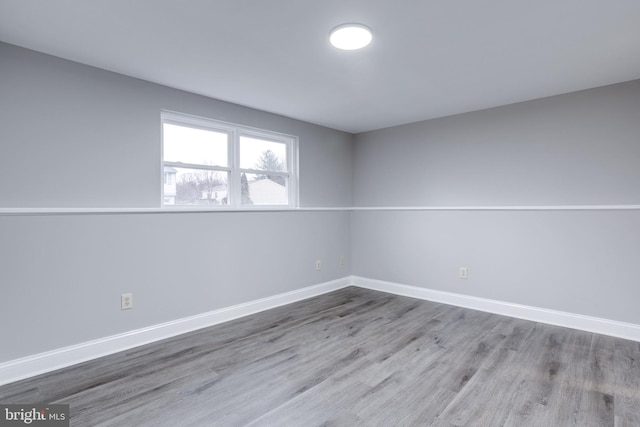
211,163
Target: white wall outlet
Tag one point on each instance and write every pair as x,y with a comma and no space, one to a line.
464,274
318,265
341,261
126,301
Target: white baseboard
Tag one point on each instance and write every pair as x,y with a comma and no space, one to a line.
598,325
29,366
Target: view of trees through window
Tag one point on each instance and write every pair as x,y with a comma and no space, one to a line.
210,187
201,186
269,161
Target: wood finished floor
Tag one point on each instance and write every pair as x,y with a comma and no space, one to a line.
356,357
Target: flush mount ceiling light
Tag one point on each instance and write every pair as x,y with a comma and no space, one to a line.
350,36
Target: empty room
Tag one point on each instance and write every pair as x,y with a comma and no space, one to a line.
314,213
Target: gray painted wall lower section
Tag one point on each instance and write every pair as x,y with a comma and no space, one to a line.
62,275
574,261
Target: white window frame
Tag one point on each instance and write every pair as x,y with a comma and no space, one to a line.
234,132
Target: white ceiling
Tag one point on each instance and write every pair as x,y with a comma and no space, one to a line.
428,58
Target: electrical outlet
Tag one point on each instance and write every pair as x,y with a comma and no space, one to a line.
341,261
464,274
318,265
126,301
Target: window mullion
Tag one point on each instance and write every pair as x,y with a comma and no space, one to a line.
292,162
234,185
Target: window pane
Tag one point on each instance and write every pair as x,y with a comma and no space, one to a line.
195,187
191,145
263,190
262,154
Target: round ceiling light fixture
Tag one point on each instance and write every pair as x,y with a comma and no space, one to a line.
350,36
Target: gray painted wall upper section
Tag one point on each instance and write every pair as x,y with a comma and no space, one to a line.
78,136
578,148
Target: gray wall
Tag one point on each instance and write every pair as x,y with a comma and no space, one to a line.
76,136
62,275
579,148
578,262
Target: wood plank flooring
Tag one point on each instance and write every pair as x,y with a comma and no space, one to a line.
356,357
